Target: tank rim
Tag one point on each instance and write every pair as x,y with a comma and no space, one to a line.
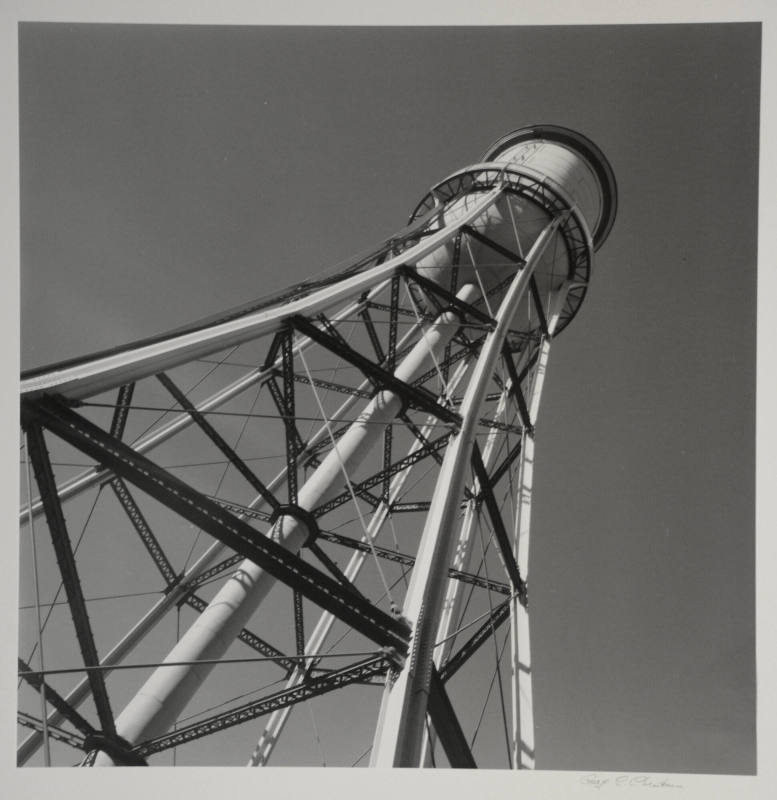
586,149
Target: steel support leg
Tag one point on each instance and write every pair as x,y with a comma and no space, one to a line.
453,596
522,735
401,725
264,747
144,625
165,694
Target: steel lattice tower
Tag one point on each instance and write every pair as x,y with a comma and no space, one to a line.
330,487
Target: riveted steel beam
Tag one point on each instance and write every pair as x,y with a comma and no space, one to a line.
373,334
535,293
35,679
54,732
497,523
499,472
489,242
338,574
123,403
498,615
515,388
219,523
67,565
248,637
354,673
378,478
466,309
383,379
447,727
408,561
217,439
331,386
138,521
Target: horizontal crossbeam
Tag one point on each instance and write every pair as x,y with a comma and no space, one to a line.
483,239
172,492
468,348
59,734
241,510
213,571
354,673
354,391
450,298
495,424
403,508
374,480
409,561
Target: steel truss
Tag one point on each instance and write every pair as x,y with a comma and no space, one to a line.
365,484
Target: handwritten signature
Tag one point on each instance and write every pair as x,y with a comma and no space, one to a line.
645,781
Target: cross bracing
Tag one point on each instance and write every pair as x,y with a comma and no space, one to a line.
277,468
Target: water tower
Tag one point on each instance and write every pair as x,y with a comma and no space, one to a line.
328,490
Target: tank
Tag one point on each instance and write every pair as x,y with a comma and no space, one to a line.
545,170
571,163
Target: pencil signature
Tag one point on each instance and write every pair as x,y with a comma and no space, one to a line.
645,781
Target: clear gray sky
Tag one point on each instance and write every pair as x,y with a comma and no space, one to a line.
170,172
